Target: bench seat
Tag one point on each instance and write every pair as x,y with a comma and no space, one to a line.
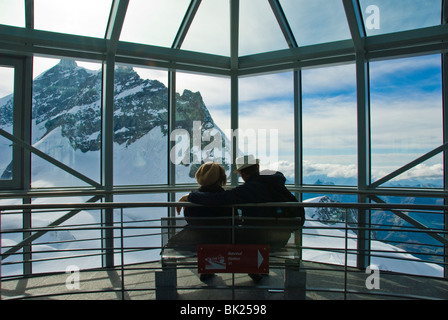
287,258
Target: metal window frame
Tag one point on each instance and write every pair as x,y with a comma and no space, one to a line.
23,43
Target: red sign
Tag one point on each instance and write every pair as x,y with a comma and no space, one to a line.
229,258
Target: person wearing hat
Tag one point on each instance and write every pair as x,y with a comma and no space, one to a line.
211,177
258,187
203,222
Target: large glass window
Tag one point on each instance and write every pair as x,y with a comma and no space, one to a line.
66,121
202,124
406,119
329,126
6,120
80,17
266,121
140,126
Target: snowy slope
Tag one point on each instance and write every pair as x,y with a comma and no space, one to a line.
330,238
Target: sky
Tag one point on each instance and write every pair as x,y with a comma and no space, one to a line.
406,93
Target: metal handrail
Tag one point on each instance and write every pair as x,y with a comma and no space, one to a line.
119,205
16,209
122,205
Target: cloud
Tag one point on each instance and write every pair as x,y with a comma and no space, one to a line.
259,30
330,124
273,124
330,170
316,21
6,81
347,171
393,68
434,171
329,80
210,30
406,121
72,16
419,172
268,86
12,13
153,22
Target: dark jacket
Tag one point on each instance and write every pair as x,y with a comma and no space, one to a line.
253,228
255,190
209,215
206,224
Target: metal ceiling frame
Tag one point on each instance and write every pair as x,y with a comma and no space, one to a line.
23,41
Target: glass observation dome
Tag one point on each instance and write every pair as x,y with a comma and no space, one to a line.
121,101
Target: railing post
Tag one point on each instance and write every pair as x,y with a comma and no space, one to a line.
122,252
445,131
346,254
1,233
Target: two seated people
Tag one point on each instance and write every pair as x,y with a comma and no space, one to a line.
212,222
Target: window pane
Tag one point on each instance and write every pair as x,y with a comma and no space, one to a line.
210,30
384,16
329,126
202,124
391,232
153,22
6,120
259,29
80,242
142,229
266,121
323,241
316,21
406,116
140,126
66,121
80,17
12,223
12,12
